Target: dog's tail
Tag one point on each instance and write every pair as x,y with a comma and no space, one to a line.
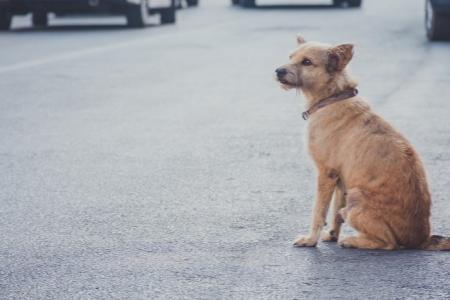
436,243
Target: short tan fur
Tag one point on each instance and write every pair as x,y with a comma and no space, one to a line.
376,176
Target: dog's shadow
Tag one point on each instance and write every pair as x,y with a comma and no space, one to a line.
329,260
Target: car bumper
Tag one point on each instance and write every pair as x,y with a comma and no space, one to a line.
161,3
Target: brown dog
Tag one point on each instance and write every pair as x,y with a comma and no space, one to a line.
377,178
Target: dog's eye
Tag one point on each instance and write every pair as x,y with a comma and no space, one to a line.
306,62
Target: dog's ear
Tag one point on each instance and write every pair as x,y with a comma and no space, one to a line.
339,57
300,40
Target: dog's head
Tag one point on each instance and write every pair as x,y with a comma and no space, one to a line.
313,65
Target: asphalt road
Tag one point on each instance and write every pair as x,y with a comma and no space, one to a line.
166,163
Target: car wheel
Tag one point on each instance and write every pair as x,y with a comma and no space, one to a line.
247,3
192,2
5,19
437,26
168,16
137,14
39,19
235,2
347,3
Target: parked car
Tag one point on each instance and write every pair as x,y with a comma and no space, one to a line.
252,3
136,11
437,19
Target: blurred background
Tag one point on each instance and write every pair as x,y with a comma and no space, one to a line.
148,153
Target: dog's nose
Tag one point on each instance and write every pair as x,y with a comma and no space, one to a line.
281,72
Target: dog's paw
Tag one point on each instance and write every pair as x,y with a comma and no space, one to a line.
305,241
347,242
329,236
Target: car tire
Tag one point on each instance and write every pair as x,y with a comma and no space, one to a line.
168,16
235,2
247,3
137,14
437,26
39,19
192,2
347,3
5,19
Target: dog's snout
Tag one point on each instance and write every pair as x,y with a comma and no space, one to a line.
281,72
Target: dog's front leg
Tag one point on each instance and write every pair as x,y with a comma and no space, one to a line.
325,187
332,235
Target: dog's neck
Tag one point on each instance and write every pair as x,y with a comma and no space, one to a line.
336,85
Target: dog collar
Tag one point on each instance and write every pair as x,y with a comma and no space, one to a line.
329,100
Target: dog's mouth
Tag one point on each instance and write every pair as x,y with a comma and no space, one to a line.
286,83
283,81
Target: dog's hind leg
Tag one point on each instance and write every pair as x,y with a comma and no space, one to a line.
375,233
332,234
363,242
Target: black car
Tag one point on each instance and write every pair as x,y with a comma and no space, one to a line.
136,11
252,3
437,19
